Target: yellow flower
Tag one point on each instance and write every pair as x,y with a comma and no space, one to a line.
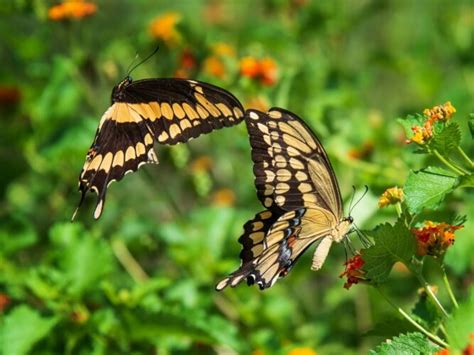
164,27
391,196
71,9
302,351
440,112
223,197
213,65
223,49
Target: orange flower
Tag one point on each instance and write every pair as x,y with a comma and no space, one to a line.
353,271
422,134
442,352
391,196
163,27
265,70
440,112
214,66
302,351
434,238
187,62
71,9
223,197
249,67
268,71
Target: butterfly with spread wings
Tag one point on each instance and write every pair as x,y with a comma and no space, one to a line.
165,110
296,184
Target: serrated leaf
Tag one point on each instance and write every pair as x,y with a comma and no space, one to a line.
391,327
427,188
460,326
406,344
22,328
447,140
392,244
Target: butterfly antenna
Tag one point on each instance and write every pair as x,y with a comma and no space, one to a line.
360,198
129,71
352,199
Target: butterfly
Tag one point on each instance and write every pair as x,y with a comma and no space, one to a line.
142,112
297,185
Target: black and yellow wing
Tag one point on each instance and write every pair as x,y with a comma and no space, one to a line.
291,167
167,111
295,181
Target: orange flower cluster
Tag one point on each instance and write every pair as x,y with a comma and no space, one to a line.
265,70
391,196
434,238
71,9
468,350
4,301
353,271
439,113
163,28
361,152
203,163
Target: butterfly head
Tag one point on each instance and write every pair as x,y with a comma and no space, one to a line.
117,92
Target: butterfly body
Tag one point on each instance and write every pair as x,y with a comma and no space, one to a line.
296,184
142,112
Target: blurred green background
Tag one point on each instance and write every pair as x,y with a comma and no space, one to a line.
141,279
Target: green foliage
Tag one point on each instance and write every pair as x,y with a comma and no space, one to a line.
23,328
406,344
391,244
141,280
460,327
427,188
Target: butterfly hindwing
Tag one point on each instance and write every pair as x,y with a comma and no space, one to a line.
167,111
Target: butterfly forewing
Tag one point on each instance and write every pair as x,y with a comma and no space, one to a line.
166,111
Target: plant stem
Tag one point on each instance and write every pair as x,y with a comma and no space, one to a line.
398,208
448,287
455,169
430,293
465,156
128,261
418,326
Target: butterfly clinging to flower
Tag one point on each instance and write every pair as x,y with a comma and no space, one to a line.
297,185
165,110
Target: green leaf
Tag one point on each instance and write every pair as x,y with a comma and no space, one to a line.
427,188
22,328
466,181
460,326
447,140
406,344
471,124
426,313
392,244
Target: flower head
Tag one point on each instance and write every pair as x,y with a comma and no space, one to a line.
223,49
203,163
223,197
4,301
264,70
302,351
214,66
440,112
434,238
71,9
391,196
353,271
163,27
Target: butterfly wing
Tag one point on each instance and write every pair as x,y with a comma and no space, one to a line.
167,111
282,245
291,167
